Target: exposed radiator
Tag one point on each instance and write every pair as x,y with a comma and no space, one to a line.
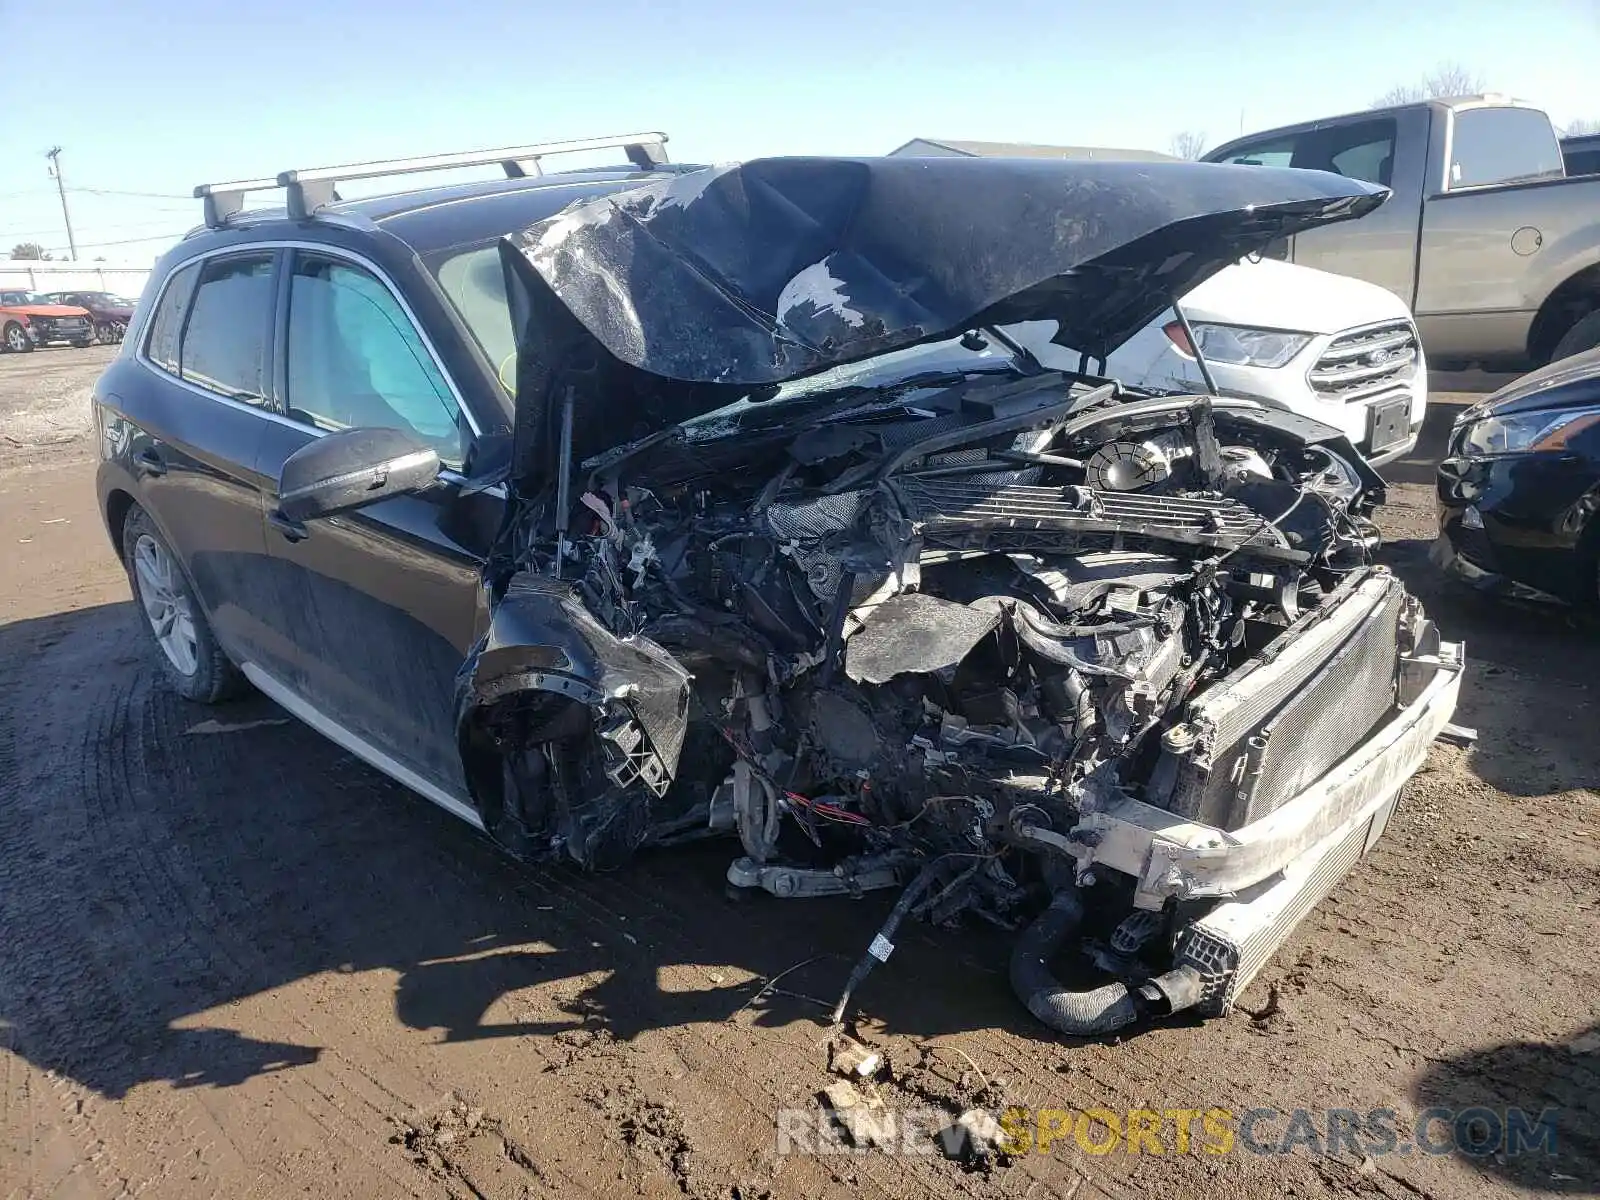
1254,741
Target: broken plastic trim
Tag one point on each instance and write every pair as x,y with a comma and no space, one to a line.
549,676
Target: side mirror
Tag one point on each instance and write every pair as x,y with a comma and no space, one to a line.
351,469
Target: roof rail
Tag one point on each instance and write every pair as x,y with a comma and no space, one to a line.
311,188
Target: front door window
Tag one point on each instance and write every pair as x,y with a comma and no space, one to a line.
356,360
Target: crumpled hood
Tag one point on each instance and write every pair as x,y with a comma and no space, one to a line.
773,269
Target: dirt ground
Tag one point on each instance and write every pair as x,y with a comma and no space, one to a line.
236,961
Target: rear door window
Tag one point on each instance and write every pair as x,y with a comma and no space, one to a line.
166,324
1369,160
1502,145
1585,161
1363,151
224,344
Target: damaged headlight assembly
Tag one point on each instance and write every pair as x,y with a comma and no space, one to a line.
1112,673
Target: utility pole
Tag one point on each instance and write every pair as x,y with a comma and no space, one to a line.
54,155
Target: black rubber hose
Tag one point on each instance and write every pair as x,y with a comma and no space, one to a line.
884,941
1081,1014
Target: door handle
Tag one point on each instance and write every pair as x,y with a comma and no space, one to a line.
150,462
292,530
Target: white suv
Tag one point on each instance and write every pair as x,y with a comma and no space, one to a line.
1339,350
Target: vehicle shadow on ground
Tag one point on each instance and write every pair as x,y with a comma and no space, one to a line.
165,859
1531,1091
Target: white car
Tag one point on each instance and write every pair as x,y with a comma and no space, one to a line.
1339,350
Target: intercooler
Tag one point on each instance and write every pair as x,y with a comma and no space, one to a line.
1250,743
1229,945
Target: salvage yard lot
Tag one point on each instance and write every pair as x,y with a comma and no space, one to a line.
234,960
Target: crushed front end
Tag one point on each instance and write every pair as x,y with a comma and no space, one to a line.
1091,666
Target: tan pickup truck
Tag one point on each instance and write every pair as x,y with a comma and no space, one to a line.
1494,248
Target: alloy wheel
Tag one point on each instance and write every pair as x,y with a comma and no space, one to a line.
166,604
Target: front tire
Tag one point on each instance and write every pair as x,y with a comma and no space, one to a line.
15,338
1585,335
186,650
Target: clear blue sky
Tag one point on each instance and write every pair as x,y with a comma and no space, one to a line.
156,97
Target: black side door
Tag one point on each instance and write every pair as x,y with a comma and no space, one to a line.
380,606
192,414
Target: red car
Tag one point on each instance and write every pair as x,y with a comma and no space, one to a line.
28,319
109,312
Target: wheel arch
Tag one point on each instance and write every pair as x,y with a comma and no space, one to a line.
119,504
1572,300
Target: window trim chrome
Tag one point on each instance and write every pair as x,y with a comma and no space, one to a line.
355,258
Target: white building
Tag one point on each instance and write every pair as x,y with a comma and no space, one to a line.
120,279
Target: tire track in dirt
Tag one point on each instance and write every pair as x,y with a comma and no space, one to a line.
161,940
168,912
39,982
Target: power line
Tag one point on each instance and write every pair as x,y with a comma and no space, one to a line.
93,191
117,227
154,237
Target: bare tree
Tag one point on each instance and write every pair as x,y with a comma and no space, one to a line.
1190,144
1447,79
1582,127
31,250
1404,93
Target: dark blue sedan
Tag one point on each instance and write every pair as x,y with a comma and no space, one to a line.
1520,486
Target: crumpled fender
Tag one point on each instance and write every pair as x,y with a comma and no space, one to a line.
549,673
